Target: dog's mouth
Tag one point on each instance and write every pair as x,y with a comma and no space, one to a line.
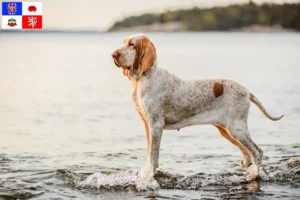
120,66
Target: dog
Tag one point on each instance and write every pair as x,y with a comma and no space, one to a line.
166,102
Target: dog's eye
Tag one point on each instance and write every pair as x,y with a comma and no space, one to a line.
130,43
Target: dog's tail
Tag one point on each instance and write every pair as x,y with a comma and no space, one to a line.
262,109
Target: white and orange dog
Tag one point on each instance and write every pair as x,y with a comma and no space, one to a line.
165,101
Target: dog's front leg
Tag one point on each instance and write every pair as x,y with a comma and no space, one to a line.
156,128
147,134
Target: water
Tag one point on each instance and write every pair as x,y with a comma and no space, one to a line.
68,129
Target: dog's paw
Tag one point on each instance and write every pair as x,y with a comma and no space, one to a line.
252,172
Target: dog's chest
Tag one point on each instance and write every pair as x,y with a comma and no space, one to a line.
143,97
135,102
136,99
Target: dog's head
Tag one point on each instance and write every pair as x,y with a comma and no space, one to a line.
135,56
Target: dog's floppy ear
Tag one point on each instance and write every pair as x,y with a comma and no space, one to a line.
126,73
145,55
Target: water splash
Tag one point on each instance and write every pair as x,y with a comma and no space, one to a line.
112,181
285,171
118,181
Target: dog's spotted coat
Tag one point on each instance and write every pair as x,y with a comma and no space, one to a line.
164,101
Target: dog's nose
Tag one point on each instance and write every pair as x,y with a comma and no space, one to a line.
115,54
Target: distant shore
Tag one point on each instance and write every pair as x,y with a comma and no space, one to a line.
246,17
179,27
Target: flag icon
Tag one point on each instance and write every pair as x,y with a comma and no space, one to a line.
22,15
32,8
32,22
12,22
11,8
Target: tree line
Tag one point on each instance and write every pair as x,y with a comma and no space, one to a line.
286,15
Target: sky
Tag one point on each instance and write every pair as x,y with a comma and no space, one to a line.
101,14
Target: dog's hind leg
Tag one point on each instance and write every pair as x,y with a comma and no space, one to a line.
240,132
245,163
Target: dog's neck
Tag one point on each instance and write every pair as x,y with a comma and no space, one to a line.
150,70
134,77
